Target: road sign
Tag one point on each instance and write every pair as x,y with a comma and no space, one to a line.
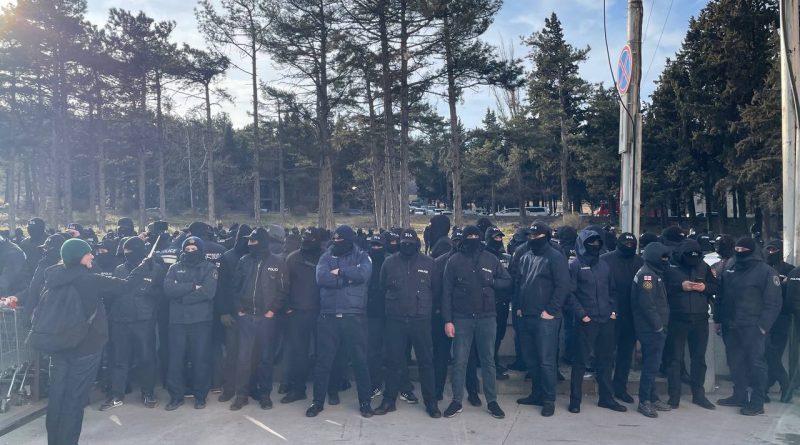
624,70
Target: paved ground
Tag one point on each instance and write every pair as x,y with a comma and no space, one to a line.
133,424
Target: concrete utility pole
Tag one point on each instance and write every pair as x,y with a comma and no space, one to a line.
790,67
790,136
630,126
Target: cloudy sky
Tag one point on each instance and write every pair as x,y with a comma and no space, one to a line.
582,21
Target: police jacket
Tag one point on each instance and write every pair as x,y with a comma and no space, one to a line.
408,282
623,269
139,303
12,268
469,285
784,269
345,292
186,303
260,284
543,282
376,294
225,299
688,303
303,292
503,295
649,305
793,290
591,291
438,289
750,294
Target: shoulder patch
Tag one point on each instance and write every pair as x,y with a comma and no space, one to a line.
648,278
214,274
647,285
777,280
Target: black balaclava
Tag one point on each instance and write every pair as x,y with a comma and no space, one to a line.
376,251
656,257
409,243
491,243
52,249
105,261
471,245
537,244
260,248
391,240
746,243
439,227
309,240
125,228
690,252
647,238
626,244
343,240
483,224
36,229
134,251
774,258
593,244
196,257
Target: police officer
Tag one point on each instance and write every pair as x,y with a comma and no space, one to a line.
494,245
302,309
260,286
441,342
623,263
592,302
690,287
408,282
749,301
32,245
376,316
50,257
133,330
779,334
471,277
650,311
225,305
438,243
343,274
190,286
542,287
12,268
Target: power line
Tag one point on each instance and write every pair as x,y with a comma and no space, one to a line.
663,27
647,25
610,68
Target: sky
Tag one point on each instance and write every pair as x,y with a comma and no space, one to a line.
665,24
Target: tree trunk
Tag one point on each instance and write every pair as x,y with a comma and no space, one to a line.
389,154
212,213
378,193
11,177
281,170
323,116
101,183
563,168
455,136
405,219
162,194
256,149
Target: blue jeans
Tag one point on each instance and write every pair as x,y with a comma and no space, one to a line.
652,349
483,332
539,339
71,382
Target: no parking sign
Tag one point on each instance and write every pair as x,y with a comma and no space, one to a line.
624,70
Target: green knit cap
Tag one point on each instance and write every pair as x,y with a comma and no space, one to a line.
73,250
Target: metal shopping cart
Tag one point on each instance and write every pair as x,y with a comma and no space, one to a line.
16,358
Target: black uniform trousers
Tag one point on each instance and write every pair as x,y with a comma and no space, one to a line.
694,331
347,332
626,343
253,330
301,325
745,347
398,334
134,344
70,385
192,341
592,339
776,345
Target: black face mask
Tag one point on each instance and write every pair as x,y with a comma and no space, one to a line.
408,249
133,259
342,247
470,245
592,250
377,254
537,244
392,248
626,250
309,245
193,258
774,258
743,255
665,261
495,245
104,260
258,250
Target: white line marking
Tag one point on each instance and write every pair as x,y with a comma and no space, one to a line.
335,423
115,419
264,427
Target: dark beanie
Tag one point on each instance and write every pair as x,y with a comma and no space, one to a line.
673,234
471,231
647,238
747,243
346,233
73,250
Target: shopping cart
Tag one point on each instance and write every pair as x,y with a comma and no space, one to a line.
16,359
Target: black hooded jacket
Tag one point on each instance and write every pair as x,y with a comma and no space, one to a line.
649,305
187,303
469,285
301,268
623,270
376,302
689,303
542,281
750,294
592,292
12,268
783,268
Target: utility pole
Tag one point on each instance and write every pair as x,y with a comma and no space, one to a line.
790,137
630,124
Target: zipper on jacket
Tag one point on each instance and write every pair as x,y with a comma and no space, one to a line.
255,286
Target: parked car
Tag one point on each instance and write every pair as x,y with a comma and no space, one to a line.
513,211
530,211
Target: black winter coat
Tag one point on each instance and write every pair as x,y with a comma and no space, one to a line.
187,304
469,285
750,294
543,282
140,302
623,270
408,283
681,302
303,292
649,305
592,283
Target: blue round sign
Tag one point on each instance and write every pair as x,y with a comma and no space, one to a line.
624,70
